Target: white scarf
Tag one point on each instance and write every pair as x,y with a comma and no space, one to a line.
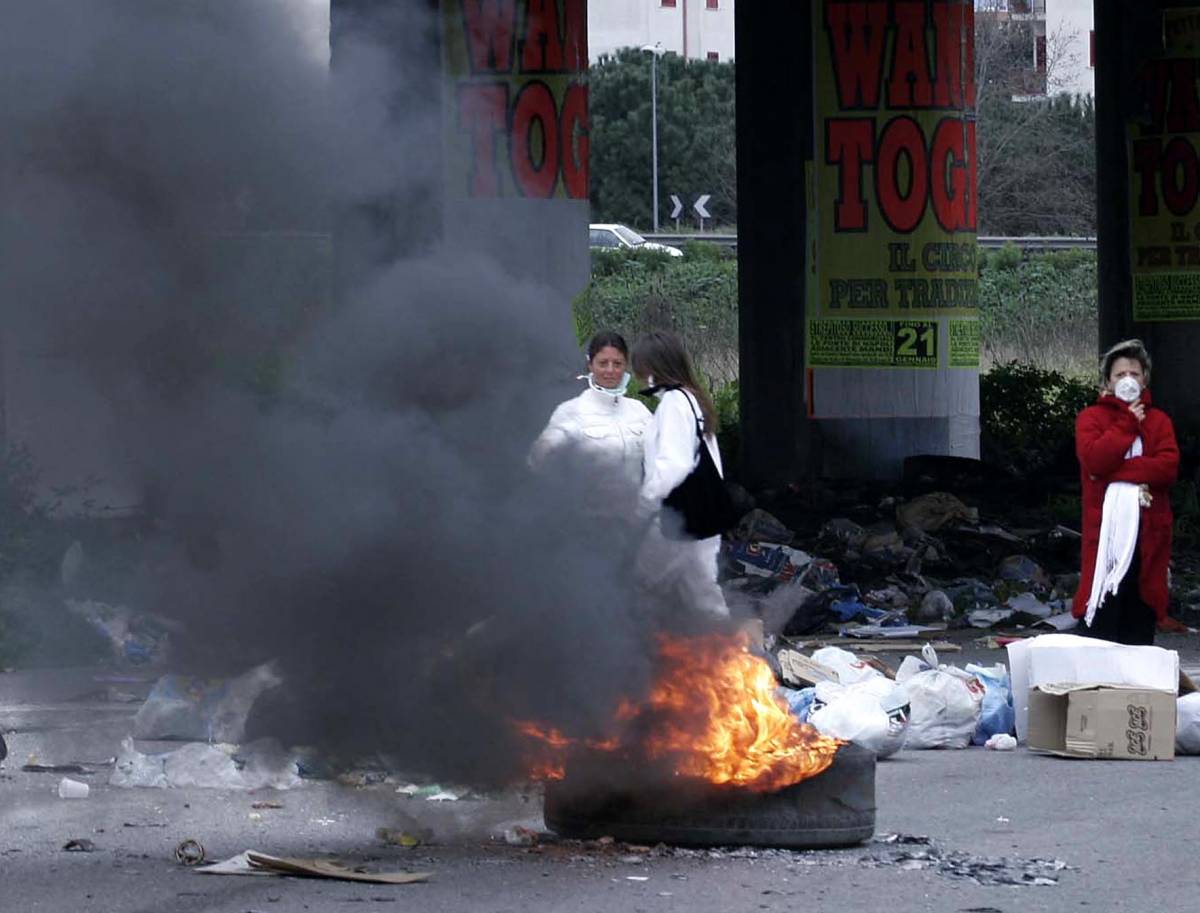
1118,537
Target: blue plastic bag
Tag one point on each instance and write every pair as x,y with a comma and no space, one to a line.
799,701
996,713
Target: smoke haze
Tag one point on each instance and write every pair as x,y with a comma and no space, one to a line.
334,476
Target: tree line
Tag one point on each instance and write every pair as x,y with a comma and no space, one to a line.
1036,156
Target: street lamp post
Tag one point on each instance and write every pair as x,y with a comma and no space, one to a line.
655,50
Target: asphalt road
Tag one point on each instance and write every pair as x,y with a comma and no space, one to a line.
1125,832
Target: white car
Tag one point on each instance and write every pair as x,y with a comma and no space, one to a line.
609,236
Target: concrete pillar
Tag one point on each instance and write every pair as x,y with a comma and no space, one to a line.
857,231
1148,176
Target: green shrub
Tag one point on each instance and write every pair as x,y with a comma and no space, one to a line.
1027,415
1041,310
705,250
694,297
1008,257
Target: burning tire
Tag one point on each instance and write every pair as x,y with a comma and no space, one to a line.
835,808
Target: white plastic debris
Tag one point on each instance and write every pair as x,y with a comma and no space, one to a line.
202,710
1187,724
849,668
872,714
1001,741
945,702
72,789
204,766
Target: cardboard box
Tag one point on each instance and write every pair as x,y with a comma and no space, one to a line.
1068,660
1089,721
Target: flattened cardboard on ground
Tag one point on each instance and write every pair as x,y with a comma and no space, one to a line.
252,863
801,671
1084,721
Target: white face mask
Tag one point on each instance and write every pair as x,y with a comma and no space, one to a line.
617,391
1127,389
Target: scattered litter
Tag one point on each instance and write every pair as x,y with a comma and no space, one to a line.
801,671
1001,741
432,792
760,526
935,607
72,789
637,877
266,804
778,562
1026,604
1023,569
919,853
996,714
931,512
256,766
57,769
79,845
846,666
189,852
520,836
1187,725
989,618
889,631
1063,621
134,637
397,837
181,708
254,863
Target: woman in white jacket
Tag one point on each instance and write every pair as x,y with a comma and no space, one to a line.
602,429
674,569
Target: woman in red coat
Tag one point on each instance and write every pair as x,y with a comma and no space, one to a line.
1105,436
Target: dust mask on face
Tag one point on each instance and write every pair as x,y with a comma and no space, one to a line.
1127,389
619,390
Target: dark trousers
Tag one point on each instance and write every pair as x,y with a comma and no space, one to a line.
1123,617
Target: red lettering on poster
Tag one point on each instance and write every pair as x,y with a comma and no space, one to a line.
948,177
1179,177
954,86
857,38
575,50
535,110
910,85
482,112
902,141
542,48
850,144
490,26
576,145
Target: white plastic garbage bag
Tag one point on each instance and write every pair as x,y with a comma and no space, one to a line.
872,714
945,704
189,709
849,668
1187,724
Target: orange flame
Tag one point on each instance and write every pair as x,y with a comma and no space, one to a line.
714,714
722,720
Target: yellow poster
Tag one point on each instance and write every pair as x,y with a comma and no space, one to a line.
1164,178
893,180
516,98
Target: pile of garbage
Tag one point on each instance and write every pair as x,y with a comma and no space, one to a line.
923,704
929,565
1059,693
